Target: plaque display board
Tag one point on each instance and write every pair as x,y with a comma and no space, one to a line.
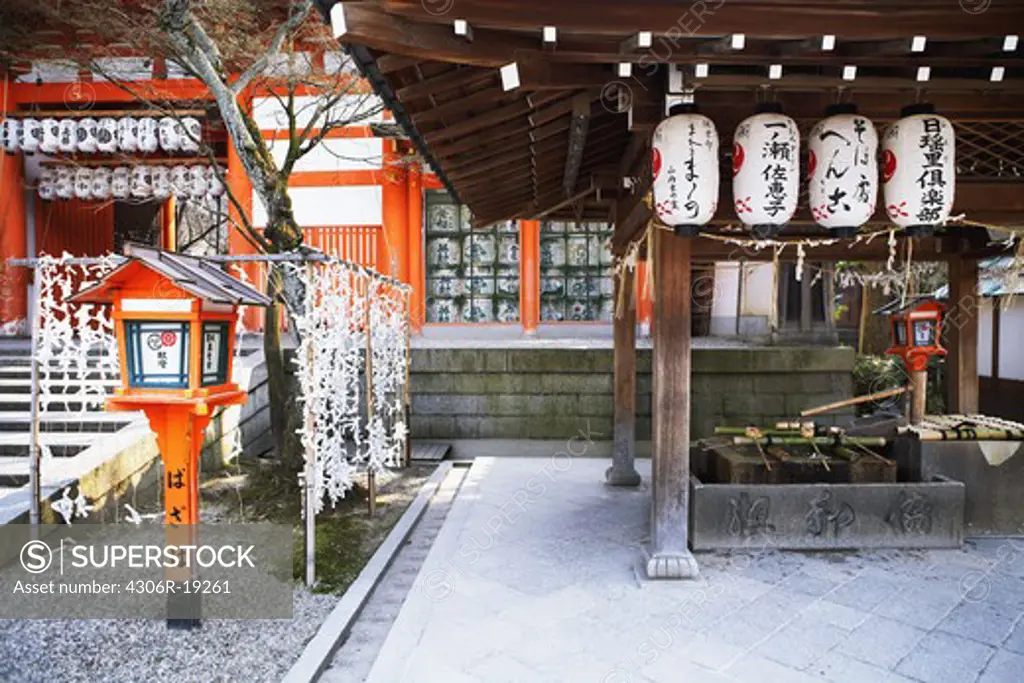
472,275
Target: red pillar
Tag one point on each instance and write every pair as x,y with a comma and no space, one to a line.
414,241
395,214
13,241
240,187
644,305
529,275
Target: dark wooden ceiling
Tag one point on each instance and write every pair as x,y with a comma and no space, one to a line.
560,143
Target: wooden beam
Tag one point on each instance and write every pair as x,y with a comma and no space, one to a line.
459,108
961,326
454,79
623,470
577,142
668,556
848,20
471,125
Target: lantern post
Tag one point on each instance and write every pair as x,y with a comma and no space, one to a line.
174,318
917,336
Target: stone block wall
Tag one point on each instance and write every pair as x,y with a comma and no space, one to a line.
554,393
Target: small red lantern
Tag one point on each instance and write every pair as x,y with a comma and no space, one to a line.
917,333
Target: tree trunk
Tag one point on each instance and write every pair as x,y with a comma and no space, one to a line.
280,387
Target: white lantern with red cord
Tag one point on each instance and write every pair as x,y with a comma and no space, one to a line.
766,170
685,167
842,170
919,170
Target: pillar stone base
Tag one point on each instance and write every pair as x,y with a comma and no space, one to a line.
622,476
670,564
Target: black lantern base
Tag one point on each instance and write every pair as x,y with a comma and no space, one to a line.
844,232
920,230
687,230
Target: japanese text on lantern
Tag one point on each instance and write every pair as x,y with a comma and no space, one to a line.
932,181
778,154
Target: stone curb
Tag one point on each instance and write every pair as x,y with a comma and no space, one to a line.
318,651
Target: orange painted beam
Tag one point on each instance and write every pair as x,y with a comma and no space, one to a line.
272,134
80,95
417,263
337,178
529,275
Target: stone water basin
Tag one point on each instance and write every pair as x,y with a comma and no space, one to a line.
793,501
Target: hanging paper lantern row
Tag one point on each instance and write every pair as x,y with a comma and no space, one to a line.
919,170
136,182
685,168
842,170
104,135
766,170
919,174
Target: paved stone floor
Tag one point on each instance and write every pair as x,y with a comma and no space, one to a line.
534,578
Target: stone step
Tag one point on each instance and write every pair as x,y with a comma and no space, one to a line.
24,386
73,403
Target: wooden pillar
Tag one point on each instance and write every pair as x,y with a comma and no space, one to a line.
395,213
417,264
961,325
168,225
668,556
623,472
14,241
529,275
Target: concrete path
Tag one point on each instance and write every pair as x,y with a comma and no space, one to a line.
534,578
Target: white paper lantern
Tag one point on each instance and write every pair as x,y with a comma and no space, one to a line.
919,170
170,137
192,134
216,187
64,182
142,182
198,184
685,167
12,135
86,140
181,185
50,143
766,170
106,135
842,170
161,182
47,184
128,134
68,135
83,183
120,182
101,183
31,135
149,140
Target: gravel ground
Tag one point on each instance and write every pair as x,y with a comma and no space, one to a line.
144,650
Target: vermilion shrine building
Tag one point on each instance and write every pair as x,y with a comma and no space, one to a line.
531,124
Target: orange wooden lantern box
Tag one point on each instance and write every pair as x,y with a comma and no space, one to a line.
917,332
174,317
